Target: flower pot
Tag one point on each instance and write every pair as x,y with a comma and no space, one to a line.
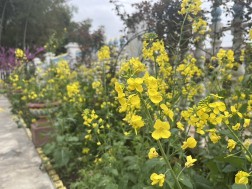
43,110
41,132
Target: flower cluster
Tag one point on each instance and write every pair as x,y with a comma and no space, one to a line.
104,53
190,6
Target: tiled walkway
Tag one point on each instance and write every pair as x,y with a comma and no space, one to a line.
19,161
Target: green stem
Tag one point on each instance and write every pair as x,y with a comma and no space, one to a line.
237,139
105,88
180,39
168,164
180,172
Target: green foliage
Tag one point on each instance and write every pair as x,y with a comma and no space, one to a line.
27,22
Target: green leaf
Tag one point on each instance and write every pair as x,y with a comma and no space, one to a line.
212,166
239,186
185,181
61,157
226,133
235,161
229,169
60,139
49,148
72,139
201,182
155,162
114,172
250,148
148,187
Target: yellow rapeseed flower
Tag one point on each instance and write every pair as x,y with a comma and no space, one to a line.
231,144
235,111
155,96
157,179
152,153
134,101
189,143
180,126
241,177
250,34
162,130
214,137
135,84
19,53
85,150
246,123
236,126
168,112
189,161
136,122
104,53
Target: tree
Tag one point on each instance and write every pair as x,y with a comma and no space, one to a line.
29,22
161,17
89,42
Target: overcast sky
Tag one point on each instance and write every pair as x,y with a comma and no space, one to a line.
102,13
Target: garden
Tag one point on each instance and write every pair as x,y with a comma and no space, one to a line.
177,116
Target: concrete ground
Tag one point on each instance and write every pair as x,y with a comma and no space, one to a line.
19,161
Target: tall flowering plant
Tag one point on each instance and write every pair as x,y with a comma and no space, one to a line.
200,131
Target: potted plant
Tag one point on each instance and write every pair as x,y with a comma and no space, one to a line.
42,102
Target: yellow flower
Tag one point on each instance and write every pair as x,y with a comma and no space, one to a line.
135,84
246,123
247,143
152,153
236,127
151,82
189,143
134,101
19,53
180,126
157,179
155,96
104,53
250,34
241,177
162,130
118,88
234,111
189,161
85,150
218,107
168,112
136,122
231,144
214,137
96,84
73,89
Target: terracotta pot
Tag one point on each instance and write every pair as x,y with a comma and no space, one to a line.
41,132
43,110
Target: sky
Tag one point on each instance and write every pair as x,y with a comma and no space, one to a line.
102,13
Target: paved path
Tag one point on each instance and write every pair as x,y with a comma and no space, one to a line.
19,161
